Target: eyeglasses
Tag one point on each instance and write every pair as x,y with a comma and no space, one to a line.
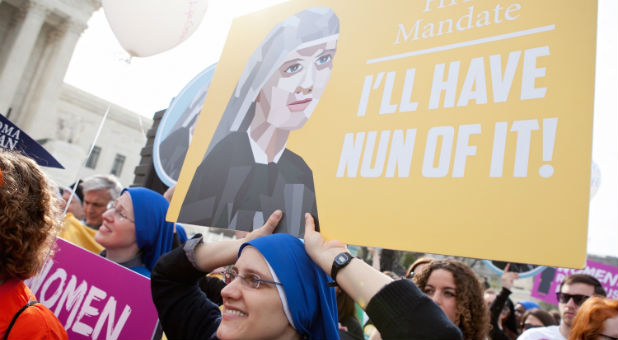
250,280
529,325
112,206
577,298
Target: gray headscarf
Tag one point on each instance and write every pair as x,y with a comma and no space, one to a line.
315,23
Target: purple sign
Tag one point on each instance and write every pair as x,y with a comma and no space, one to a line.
95,298
547,283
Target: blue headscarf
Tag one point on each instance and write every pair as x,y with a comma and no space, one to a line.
154,235
312,304
528,305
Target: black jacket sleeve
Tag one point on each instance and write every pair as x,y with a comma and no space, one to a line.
494,313
401,311
184,310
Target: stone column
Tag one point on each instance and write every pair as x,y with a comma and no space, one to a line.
43,102
19,51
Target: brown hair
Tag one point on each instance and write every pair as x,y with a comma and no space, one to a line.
590,317
546,318
586,279
29,212
419,261
472,313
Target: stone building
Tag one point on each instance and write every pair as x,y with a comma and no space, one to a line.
37,39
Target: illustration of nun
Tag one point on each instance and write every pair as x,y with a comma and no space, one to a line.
248,172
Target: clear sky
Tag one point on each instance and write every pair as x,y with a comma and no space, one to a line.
147,85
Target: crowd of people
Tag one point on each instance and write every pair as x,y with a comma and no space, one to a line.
272,286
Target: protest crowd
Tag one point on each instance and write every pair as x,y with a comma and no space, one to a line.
276,273
265,286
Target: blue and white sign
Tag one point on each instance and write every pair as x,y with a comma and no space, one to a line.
177,125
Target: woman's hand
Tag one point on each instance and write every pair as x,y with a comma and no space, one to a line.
267,228
223,253
508,277
357,279
322,252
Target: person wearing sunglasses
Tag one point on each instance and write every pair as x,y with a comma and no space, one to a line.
596,319
134,231
574,290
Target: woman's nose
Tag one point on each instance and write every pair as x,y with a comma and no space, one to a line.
306,85
436,298
232,290
108,215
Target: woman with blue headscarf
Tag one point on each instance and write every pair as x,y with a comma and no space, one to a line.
274,290
277,288
134,231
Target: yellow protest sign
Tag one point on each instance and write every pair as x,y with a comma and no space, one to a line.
459,127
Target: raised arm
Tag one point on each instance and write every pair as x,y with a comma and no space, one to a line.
398,308
223,253
184,310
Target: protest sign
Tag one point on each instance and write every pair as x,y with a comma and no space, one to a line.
548,282
13,138
177,126
95,298
435,126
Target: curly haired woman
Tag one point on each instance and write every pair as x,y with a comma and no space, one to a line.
454,287
28,216
597,318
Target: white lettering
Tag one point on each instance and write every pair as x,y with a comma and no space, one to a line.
350,154
474,79
522,151
109,311
463,149
449,86
401,153
531,72
446,133
94,294
376,170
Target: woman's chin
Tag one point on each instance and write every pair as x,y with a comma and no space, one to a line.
226,333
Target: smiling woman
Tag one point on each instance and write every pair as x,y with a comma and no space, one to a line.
134,231
278,289
274,290
248,171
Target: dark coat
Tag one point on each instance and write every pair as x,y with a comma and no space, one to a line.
229,190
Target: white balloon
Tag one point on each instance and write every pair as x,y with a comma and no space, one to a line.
148,27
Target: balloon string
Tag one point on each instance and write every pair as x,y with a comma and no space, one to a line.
75,180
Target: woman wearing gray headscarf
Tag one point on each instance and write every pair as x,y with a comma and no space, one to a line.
248,172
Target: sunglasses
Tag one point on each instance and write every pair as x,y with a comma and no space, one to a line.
529,325
577,298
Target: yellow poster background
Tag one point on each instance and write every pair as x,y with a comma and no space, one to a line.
529,219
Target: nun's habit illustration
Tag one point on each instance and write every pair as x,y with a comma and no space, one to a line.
232,188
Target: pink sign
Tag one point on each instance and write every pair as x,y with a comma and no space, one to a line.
547,283
95,298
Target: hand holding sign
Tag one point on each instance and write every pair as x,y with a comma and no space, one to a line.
224,253
319,249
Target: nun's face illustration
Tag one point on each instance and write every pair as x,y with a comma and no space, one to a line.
292,92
